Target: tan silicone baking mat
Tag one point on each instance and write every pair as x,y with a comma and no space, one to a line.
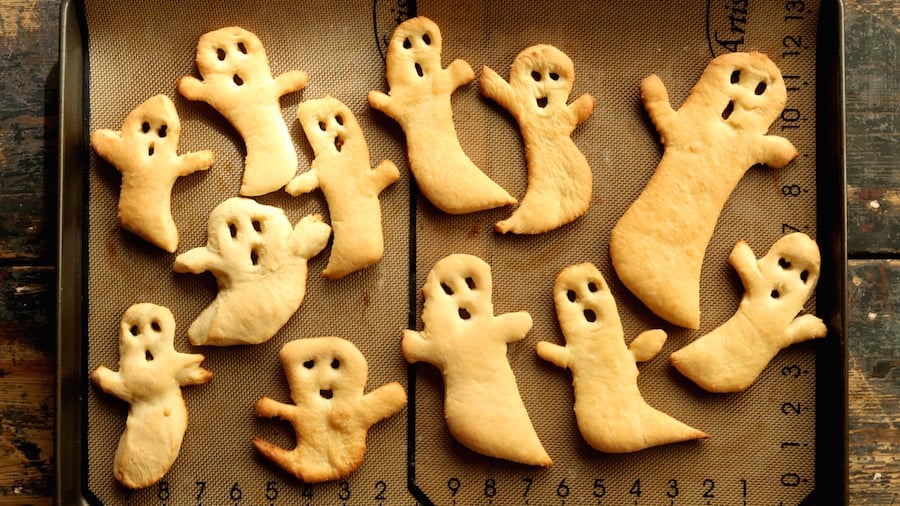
762,446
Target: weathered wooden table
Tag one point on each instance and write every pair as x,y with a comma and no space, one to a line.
29,30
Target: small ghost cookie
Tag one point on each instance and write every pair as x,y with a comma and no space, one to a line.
150,376
611,414
145,152
342,170
657,246
419,99
559,177
237,82
330,413
731,357
464,339
260,264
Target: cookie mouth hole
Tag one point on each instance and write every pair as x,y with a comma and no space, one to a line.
145,127
254,257
163,130
446,288
419,70
542,102
309,364
590,315
728,110
148,356
220,54
784,263
232,229
326,393
571,295
775,294
151,150
804,276
338,143
464,313
760,88
237,80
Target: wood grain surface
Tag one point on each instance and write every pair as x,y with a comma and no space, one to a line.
28,132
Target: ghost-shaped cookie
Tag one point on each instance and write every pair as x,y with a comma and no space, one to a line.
331,414
237,82
341,169
657,247
150,376
145,152
559,177
776,287
260,264
611,413
419,100
468,343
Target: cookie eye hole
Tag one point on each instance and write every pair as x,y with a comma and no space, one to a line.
590,315
242,48
470,282
784,263
148,356
254,257
135,331
760,88
256,225
220,54
322,126
775,294
335,363
464,313
535,75
804,276
145,127
728,110
446,288
554,76
592,287
406,43
163,130
232,229
237,80
339,119
155,326
426,39
338,143
309,364
326,393
571,295
735,76
419,70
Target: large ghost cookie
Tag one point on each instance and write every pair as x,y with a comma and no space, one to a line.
611,413
559,177
731,357
331,414
260,264
657,246
419,99
150,376
463,338
351,186
237,82
145,152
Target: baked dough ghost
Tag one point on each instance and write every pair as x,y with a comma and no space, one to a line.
237,82
776,287
419,100
150,376
331,414
341,169
657,246
559,177
463,338
260,265
611,413
145,152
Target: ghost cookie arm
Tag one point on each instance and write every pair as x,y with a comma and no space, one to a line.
656,103
303,183
774,151
744,263
310,236
192,88
270,408
416,348
107,144
554,353
189,163
189,371
196,261
385,174
381,403
384,103
512,327
111,382
803,328
582,108
460,73
290,82
497,89
647,344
